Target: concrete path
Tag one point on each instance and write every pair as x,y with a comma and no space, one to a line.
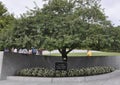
111,81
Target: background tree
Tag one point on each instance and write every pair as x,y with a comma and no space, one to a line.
6,26
114,36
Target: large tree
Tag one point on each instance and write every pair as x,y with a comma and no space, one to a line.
60,24
66,22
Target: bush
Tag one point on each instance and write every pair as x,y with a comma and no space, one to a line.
43,72
40,72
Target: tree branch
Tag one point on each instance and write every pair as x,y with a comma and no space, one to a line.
69,50
60,50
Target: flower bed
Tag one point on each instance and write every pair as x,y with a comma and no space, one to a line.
44,72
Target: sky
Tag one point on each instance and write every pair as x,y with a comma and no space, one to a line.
17,7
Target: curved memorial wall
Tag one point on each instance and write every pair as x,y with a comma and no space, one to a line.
12,62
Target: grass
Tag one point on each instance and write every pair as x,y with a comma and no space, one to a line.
93,54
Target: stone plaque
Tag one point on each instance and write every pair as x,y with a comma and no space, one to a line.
61,66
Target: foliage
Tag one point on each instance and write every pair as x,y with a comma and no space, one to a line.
90,71
65,23
6,27
43,72
60,24
26,33
114,38
98,37
3,14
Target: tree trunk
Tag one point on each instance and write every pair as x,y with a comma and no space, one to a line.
64,53
64,56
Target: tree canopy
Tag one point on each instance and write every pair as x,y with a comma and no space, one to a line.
64,24
60,24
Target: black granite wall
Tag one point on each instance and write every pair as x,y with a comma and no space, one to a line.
13,62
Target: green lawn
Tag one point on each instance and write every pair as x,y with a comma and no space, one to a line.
93,54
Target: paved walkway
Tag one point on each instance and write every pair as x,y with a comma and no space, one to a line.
111,81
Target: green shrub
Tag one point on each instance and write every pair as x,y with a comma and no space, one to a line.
43,72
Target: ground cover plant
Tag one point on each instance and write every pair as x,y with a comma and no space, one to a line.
44,72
